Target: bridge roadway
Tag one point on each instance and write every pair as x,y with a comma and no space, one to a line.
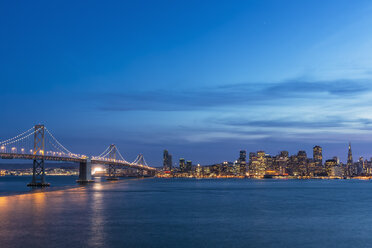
72,159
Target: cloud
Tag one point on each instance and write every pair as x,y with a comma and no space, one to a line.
246,94
282,123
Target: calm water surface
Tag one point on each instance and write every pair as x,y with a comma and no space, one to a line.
192,213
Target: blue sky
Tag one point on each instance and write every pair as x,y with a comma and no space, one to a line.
202,79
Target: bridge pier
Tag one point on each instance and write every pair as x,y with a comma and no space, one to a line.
85,172
38,174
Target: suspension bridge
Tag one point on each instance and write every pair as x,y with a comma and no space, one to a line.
39,144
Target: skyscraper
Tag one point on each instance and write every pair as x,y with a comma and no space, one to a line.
167,161
182,165
302,163
318,156
188,165
242,162
243,156
349,165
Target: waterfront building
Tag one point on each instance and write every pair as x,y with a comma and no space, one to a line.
251,155
243,156
199,171
258,164
368,167
188,165
361,167
312,167
302,163
281,162
167,161
318,155
242,163
293,166
350,164
336,171
236,168
182,165
206,171
329,164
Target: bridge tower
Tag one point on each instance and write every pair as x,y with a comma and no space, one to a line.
112,167
38,169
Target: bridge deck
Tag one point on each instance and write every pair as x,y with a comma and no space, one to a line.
70,159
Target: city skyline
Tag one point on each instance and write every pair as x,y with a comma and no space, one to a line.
260,165
202,79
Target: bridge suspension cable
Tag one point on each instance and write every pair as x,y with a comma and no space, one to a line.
63,148
19,139
104,152
25,132
121,156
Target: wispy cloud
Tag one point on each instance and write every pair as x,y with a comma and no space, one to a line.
329,122
286,111
247,94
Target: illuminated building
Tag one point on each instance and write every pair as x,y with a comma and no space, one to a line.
242,156
350,165
188,165
167,161
317,156
199,171
293,165
302,163
258,164
361,167
329,164
206,170
281,162
336,171
182,165
242,163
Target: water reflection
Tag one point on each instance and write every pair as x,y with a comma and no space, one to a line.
97,225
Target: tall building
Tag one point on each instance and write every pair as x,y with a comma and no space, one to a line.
361,168
243,156
349,165
242,163
199,170
302,163
182,165
167,161
281,162
284,154
188,165
258,163
318,156
329,165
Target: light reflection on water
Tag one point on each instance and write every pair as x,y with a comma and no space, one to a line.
192,213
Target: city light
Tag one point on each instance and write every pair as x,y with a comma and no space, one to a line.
97,169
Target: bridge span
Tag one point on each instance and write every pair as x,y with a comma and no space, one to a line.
39,145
